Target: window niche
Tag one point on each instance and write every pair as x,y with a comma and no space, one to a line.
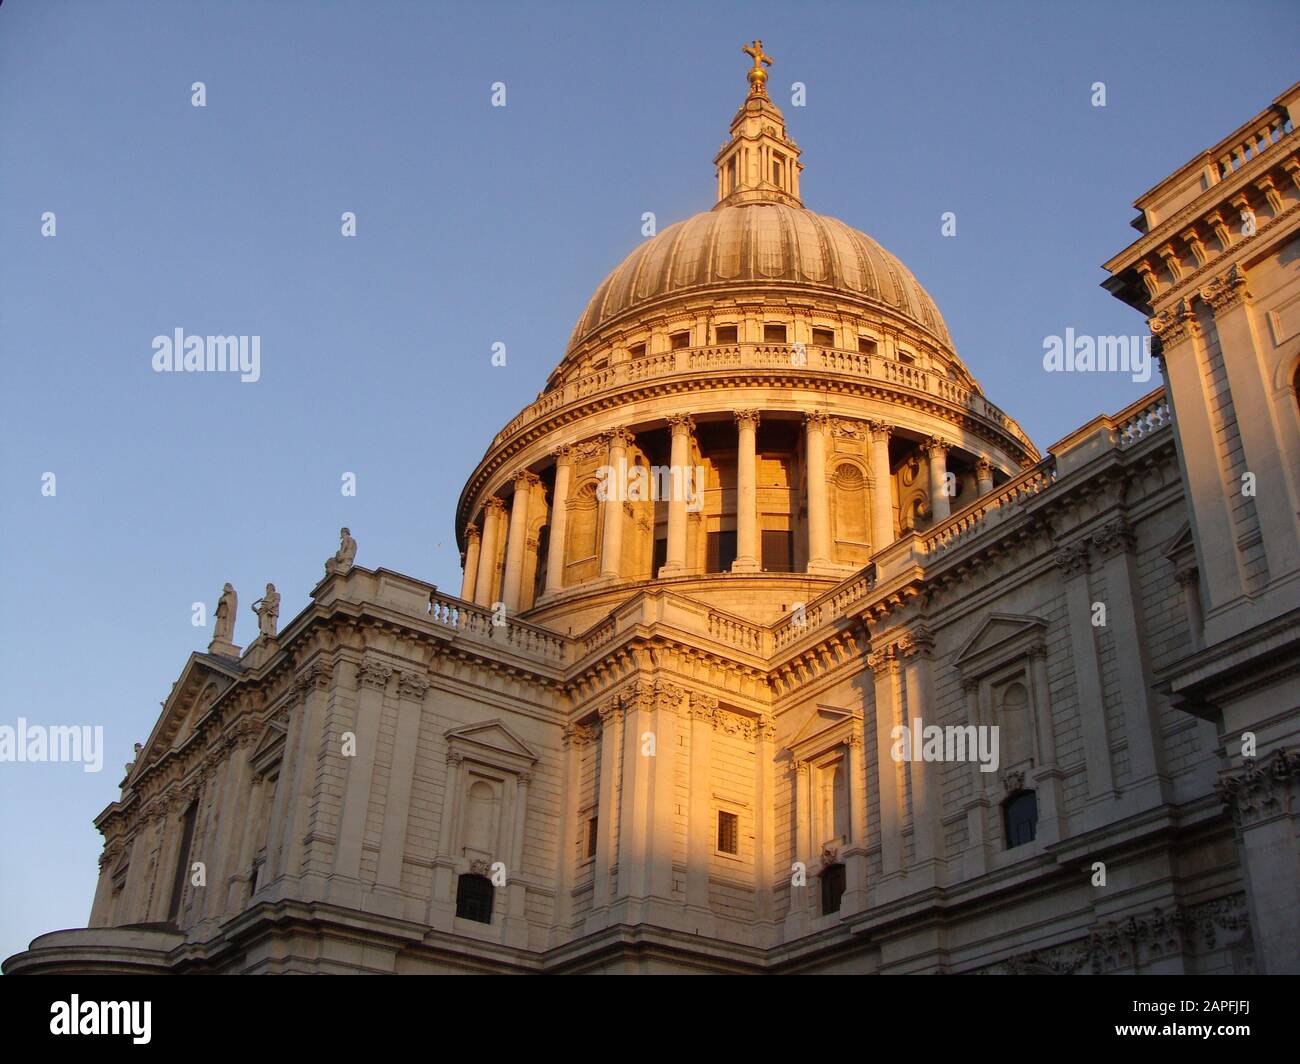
489,770
1003,670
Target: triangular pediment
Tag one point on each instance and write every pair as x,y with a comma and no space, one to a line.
490,737
1000,632
203,680
825,728
1181,545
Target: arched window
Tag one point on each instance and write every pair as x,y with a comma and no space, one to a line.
474,898
833,882
1020,818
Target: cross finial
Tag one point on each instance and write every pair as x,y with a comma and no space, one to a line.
757,75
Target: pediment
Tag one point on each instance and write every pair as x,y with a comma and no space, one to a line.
490,738
1001,633
1182,545
203,680
270,747
825,727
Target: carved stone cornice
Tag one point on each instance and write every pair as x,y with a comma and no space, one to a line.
1260,790
1225,292
1113,537
1072,558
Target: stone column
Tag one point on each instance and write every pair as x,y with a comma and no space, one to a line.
559,521
855,853
516,924
884,664
1047,777
663,793
699,821
574,738
372,679
312,686
819,517
1189,579
493,513
764,817
1074,563
634,794
607,812
882,493
975,860
927,828
940,504
472,549
747,560
1124,618
411,687
611,548
675,562
512,583
984,476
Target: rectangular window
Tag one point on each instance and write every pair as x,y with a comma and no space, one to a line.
680,340
905,358
182,861
778,550
721,552
824,337
866,346
592,824
728,833
724,334
774,334
660,557
636,351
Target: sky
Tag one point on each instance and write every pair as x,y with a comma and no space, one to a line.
475,225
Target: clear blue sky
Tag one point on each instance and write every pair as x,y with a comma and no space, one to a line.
475,225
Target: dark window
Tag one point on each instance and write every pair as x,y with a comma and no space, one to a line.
824,337
592,824
778,551
474,898
774,334
661,555
721,552
182,860
1021,815
866,346
636,351
832,888
728,833
724,334
680,340
731,170
904,357
776,174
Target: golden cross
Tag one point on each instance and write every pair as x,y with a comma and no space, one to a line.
756,50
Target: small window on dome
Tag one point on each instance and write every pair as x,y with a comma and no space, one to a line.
680,340
866,346
724,334
906,359
824,337
774,334
636,351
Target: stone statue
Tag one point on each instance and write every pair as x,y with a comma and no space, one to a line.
267,609
223,630
342,560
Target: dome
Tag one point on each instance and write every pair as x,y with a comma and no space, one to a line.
751,245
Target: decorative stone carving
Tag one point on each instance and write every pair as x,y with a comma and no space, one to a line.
1171,327
1224,293
1113,537
1072,559
883,660
579,735
412,685
1260,789
937,445
341,562
374,673
267,609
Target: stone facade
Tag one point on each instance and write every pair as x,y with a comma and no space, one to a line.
655,731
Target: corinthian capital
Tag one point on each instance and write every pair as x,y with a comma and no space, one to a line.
1171,327
746,417
374,673
1113,537
1224,293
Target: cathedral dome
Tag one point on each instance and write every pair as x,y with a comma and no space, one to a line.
752,245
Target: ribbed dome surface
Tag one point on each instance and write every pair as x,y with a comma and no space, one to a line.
756,243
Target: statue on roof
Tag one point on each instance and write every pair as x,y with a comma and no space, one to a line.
267,609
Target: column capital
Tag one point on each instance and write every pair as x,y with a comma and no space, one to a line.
1114,537
495,506
412,685
1225,292
563,455
1072,558
472,532
681,424
817,421
374,673
744,417
983,467
526,479
937,445
880,428
1173,326
883,660
917,643
618,439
